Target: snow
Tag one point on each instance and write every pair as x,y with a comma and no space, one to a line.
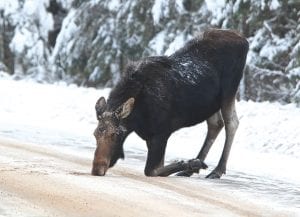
236,6
65,3
176,44
9,7
214,5
274,4
295,72
32,23
271,48
114,5
34,15
262,4
19,41
158,42
189,71
77,52
216,8
159,10
4,75
265,153
179,6
65,40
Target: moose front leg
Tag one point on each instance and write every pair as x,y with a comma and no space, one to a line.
156,154
193,166
155,160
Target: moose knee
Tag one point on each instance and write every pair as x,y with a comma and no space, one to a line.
150,173
216,126
215,122
232,125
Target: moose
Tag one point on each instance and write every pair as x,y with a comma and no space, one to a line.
161,94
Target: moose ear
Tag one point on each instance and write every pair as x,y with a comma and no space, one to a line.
125,109
100,106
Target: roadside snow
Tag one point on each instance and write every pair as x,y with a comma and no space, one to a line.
264,127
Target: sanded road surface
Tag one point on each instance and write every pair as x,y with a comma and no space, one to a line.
43,181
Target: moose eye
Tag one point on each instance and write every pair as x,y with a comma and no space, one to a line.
96,132
101,129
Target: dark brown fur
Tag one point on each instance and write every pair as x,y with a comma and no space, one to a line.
159,95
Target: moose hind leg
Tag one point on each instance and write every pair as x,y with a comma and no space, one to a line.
231,124
215,124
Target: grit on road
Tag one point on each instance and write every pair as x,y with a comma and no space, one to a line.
42,181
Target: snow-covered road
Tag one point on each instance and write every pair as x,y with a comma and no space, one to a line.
263,165
46,182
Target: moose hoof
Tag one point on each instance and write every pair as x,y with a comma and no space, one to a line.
192,166
195,165
214,175
185,173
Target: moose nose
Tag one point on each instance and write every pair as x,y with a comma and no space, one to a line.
99,170
102,171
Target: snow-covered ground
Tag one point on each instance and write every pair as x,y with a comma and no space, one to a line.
264,162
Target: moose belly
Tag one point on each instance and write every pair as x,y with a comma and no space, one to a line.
193,110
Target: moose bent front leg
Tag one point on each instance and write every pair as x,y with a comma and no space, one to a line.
193,165
156,154
155,160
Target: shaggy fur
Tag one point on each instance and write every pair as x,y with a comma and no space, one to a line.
180,90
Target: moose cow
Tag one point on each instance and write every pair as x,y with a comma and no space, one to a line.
161,94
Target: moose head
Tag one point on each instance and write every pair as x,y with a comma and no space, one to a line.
110,134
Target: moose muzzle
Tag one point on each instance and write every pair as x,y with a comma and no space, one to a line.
99,168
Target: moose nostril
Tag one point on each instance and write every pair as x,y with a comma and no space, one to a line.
102,170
